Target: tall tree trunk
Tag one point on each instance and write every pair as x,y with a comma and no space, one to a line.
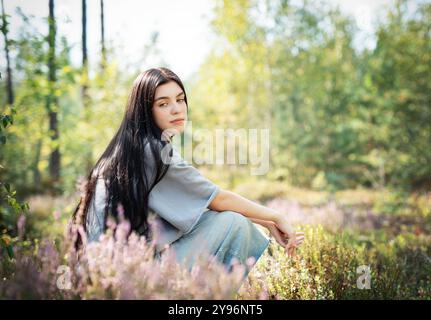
52,101
84,33
84,89
102,30
4,29
36,173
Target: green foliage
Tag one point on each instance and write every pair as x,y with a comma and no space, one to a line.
10,207
82,131
326,267
340,116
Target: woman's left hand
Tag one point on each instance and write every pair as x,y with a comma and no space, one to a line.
281,238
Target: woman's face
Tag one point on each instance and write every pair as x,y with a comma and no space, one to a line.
169,105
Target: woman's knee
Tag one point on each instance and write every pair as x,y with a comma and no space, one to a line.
234,219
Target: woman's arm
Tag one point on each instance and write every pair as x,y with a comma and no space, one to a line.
265,223
231,201
277,223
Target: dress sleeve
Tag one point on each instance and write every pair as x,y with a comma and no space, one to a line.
183,194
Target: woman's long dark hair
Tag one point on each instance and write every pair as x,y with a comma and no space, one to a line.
124,164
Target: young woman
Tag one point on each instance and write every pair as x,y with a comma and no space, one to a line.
166,199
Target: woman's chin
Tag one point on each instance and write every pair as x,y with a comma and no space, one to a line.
178,127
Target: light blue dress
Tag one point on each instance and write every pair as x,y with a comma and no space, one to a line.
180,218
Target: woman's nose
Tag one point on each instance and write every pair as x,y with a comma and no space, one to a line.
176,108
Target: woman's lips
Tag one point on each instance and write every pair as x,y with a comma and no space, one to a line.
180,121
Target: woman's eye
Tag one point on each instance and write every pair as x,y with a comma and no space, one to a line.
165,104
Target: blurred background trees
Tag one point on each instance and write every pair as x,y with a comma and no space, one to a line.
339,116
